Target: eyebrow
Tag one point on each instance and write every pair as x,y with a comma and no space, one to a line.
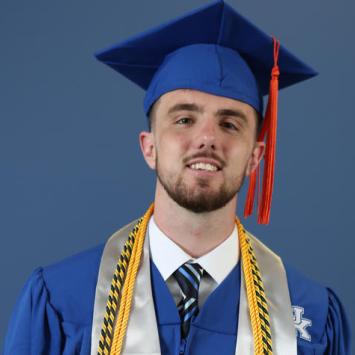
185,107
233,113
222,112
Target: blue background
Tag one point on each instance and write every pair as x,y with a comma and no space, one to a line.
71,169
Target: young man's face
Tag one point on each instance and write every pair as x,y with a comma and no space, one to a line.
202,146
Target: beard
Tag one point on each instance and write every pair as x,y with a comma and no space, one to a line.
199,199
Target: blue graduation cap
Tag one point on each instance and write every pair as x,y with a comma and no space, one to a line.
215,50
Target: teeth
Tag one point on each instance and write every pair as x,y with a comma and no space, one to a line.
204,166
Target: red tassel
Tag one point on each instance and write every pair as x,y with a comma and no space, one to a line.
249,203
254,182
269,129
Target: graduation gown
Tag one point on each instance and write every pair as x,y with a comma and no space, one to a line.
55,309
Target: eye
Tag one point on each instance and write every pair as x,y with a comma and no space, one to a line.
229,125
184,120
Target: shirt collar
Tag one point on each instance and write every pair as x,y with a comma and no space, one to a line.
168,256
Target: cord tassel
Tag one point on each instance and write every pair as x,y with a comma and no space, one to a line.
249,203
269,129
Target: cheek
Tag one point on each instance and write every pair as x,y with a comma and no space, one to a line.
239,154
173,146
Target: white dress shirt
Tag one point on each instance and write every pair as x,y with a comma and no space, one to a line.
168,257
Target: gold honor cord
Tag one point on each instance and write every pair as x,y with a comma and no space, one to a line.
115,292
126,272
258,308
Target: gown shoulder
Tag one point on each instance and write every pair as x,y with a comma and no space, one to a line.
321,322
53,314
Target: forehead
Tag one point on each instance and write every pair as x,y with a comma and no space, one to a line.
205,101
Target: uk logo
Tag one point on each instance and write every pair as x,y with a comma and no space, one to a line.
301,323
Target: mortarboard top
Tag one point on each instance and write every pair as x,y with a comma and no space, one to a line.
215,50
212,49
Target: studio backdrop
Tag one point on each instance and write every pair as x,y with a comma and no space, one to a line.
71,171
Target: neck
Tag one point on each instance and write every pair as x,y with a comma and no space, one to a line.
195,233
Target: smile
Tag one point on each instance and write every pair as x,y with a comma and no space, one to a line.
203,166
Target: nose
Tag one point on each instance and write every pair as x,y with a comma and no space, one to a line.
206,137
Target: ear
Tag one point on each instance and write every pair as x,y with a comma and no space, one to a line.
255,158
147,144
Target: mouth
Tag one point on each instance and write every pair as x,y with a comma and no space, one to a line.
202,166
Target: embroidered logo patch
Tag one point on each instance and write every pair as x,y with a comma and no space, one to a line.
301,323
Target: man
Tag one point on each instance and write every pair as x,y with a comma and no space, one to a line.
187,278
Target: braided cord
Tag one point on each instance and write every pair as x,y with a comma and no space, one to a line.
115,292
111,342
258,308
126,300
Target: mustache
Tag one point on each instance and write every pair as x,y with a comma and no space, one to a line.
207,155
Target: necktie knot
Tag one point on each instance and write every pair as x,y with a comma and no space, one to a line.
188,277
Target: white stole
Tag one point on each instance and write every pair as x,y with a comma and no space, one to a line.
142,335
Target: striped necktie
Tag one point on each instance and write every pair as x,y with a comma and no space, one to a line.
188,277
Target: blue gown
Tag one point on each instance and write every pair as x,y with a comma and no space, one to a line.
54,313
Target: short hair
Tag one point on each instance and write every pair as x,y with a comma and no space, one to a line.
151,117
